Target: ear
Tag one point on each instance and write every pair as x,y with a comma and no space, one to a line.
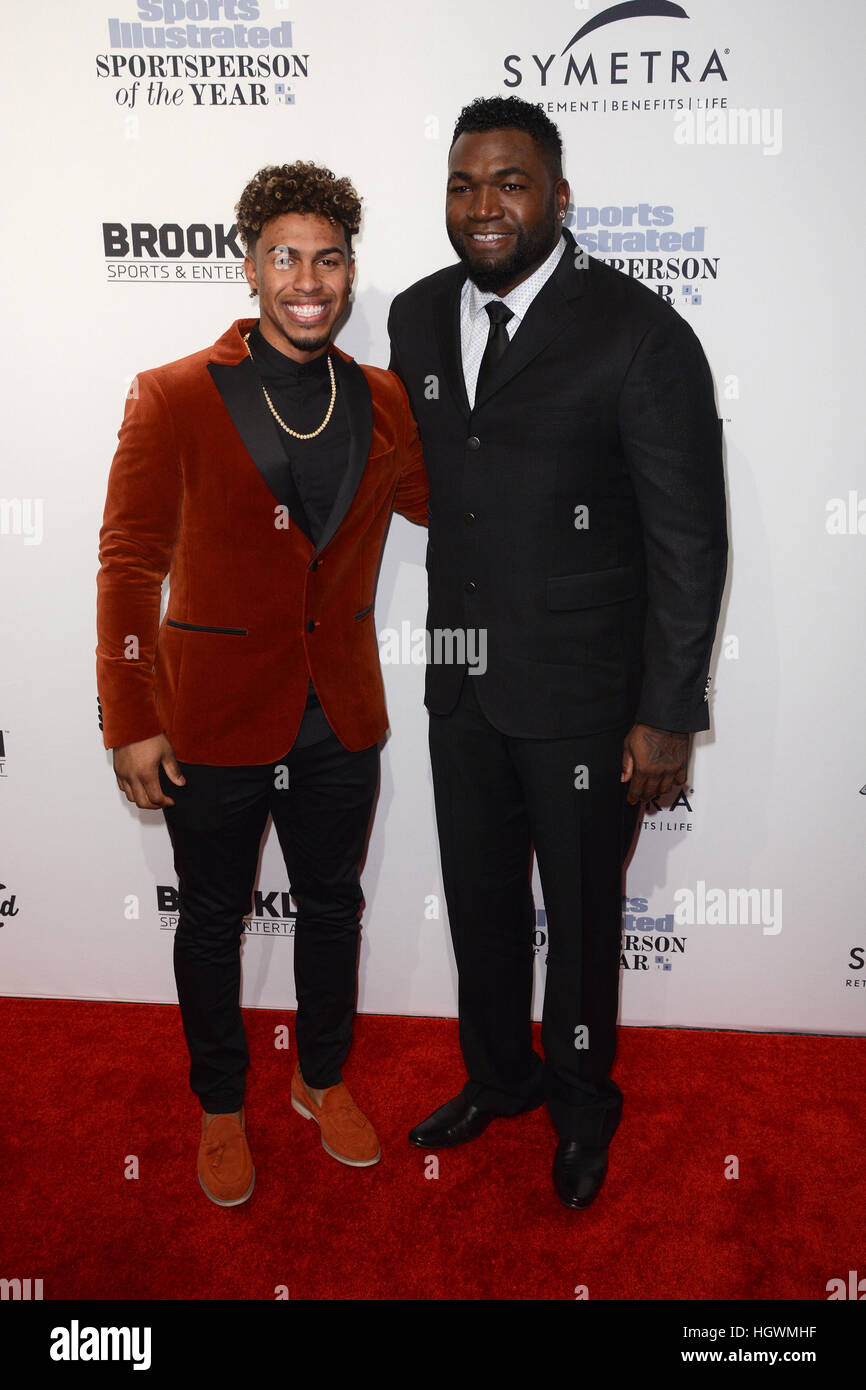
351,271
250,272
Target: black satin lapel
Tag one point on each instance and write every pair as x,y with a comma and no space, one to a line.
358,402
446,317
241,391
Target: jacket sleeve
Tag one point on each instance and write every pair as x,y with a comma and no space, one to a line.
672,440
142,513
413,489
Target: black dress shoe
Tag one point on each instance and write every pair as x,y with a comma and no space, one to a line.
455,1122
578,1173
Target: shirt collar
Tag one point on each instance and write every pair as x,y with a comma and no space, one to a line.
271,362
519,299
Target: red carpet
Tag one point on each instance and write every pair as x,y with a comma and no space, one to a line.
89,1084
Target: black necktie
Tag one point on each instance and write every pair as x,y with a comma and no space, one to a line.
497,342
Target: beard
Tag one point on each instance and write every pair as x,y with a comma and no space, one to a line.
307,344
530,249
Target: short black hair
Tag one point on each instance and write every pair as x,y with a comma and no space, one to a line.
503,113
301,187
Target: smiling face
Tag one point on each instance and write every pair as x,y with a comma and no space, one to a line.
303,272
502,206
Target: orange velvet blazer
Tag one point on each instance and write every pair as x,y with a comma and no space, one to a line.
254,610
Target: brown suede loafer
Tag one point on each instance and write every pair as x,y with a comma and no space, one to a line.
347,1135
225,1164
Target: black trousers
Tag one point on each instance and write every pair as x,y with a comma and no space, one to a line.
321,799
495,798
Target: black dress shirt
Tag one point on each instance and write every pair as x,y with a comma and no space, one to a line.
300,392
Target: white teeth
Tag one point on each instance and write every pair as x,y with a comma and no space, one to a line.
488,236
306,311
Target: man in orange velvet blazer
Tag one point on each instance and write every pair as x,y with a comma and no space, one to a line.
260,475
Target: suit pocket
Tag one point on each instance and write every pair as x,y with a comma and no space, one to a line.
199,627
593,590
363,613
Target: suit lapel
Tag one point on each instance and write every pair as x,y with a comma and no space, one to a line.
446,317
548,314
240,388
352,385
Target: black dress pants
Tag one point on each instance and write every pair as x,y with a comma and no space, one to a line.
321,799
496,797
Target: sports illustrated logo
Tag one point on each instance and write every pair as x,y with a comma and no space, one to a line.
168,57
76,1343
167,251
641,240
721,907
7,905
648,943
581,69
856,962
272,913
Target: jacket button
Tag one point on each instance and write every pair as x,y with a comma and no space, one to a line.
473,442
469,517
469,586
311,625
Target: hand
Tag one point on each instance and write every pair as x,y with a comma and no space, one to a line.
136,767
654,761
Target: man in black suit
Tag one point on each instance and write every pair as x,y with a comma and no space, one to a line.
577,536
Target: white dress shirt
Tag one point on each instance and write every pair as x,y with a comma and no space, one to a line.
475,323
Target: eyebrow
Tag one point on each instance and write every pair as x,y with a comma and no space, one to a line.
497,173
293,251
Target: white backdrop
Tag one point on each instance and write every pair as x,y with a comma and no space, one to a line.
766,213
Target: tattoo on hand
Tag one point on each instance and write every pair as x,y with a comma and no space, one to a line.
666,748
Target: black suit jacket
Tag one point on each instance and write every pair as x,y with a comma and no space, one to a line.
603,401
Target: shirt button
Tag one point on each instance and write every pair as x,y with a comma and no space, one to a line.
473,442
469,517
311,625
469,586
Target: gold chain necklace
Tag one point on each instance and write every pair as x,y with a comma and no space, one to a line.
281,421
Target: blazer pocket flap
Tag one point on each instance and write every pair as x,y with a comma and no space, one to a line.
202,627
593,590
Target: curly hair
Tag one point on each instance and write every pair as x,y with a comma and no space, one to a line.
300,187
504,113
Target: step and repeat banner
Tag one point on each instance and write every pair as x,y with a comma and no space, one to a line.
714,151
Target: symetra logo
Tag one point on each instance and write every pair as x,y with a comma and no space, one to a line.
633,10
575,66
